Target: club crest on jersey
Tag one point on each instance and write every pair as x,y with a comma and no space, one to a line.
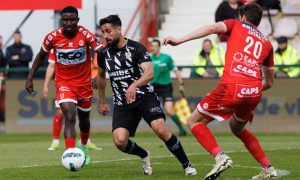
81,43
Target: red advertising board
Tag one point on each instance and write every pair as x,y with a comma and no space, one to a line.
38,4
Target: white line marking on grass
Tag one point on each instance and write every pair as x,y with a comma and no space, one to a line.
283,172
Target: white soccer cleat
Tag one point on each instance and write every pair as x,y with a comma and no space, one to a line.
222,163
267,173
190,171
146,165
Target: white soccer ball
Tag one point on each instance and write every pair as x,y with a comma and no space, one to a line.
73,159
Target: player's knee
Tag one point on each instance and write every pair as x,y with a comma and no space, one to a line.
163,133
120,142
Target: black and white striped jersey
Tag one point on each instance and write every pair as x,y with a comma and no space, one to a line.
123,67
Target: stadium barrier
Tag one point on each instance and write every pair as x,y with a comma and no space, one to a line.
278,111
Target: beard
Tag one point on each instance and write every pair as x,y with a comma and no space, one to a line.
113,43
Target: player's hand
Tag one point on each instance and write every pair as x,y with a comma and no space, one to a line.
103,108
170,40
45,93
29,86
130,94
94,82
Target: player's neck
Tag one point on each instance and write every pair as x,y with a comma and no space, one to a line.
70,35
122,43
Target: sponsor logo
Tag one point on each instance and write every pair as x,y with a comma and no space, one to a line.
246,91
70,44
121,74
71,56
63,88
245,70
225,109
156,109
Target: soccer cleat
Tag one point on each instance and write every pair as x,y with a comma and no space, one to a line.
267,173
190,171
85,149
93,146
53,146
222,163
146,164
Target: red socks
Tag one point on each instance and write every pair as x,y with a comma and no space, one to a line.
254,147
84,137
57,125
206,139
70,143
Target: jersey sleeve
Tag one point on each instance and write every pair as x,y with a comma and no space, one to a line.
171,64
269,61
91,40
229,25
101,60
48,43
52,57
142,54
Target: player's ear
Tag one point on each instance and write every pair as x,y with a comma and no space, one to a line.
119,29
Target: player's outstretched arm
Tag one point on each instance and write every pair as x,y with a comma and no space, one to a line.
49,74
101,85
147,76
36,64
216,28
268,74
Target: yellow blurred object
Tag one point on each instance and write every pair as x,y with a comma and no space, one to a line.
182,110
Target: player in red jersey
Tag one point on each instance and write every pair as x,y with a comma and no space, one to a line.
71,44
58,117
248,54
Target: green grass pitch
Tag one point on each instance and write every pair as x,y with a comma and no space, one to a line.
27,157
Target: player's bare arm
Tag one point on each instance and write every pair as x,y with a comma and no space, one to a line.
101,84
216,28
35,66
49,74
268,74
180,80
148,74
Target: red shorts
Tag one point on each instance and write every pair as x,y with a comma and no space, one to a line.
81,95
239,100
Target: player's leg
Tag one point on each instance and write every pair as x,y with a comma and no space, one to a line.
56,128
198,125
169,106
84,94
237,126
69,111
124,124
154,116
173,144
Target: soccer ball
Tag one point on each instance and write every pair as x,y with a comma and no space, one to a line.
73,159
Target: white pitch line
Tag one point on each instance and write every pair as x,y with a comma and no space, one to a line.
154,157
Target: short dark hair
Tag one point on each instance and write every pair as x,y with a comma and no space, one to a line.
282,39
156,41
17,31
111,19
69,9
253,13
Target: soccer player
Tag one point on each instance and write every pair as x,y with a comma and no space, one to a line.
130,69
58,117
71,44
162,83
249,70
